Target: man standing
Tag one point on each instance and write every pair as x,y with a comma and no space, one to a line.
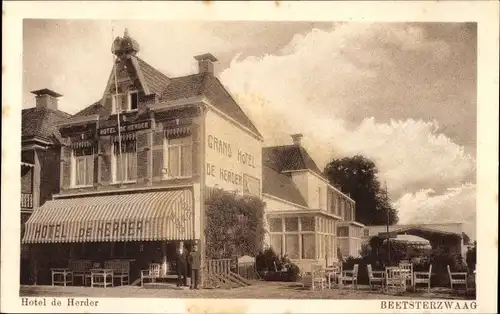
195,262
181,260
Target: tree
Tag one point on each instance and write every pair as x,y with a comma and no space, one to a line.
357,176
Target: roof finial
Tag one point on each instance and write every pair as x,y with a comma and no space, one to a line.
125,33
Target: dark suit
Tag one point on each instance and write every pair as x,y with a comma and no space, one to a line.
195,263
181,265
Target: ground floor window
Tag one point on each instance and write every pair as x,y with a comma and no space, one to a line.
303,237
308,246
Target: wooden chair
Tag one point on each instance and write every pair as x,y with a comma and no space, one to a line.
350,276
121,270
422,277
457,278
375,276
61,276
407,268
101,277
395,279
80,268
334,273
152,273
318,277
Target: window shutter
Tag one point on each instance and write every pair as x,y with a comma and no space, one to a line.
105,160
157,152
65,167
196,156
89,170
143,151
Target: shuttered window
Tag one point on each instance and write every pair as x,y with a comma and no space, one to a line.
82,167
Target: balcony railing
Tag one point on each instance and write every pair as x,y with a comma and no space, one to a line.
26,200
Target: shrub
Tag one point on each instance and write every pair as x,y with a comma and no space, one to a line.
267,259
291,274
234,225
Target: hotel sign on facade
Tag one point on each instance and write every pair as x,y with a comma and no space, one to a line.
233,158
125,128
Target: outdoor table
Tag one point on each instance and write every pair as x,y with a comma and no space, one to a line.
65,273
102,275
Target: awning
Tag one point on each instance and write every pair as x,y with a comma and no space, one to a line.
148,216
178,131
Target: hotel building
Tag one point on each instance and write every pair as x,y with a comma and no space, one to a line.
132,185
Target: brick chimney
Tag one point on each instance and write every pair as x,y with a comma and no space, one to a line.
297,138
46,99
206,63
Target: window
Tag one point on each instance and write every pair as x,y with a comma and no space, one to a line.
343,231
320,198
83,167
276,243
348,211
308,246
125,164
292,224
307,223
337,206
331,202
125,102
177,157
275,225
366,232
292,245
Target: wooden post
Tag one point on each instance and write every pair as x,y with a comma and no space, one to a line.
163,268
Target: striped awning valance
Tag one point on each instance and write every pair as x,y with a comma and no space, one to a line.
130,136
148,216
178,131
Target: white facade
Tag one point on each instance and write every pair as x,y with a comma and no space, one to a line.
233,156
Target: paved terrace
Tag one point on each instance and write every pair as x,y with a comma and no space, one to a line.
259,290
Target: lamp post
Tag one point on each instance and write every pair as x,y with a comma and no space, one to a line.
386,199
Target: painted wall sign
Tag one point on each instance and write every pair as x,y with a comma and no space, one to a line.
125,128
231,155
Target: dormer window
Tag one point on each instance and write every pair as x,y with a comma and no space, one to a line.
124,102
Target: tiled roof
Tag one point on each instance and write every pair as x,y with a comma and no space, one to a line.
41,122
184,87
289,158
201,84
217,93
281,185
205,84
155,80
95,108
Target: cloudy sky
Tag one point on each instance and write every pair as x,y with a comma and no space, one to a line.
403,95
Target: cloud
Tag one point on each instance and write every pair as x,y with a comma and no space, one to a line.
74,57
320,80
454,205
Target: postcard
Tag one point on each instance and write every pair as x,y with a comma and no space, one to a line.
280,157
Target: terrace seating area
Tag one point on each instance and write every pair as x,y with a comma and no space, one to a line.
85,272
391,279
